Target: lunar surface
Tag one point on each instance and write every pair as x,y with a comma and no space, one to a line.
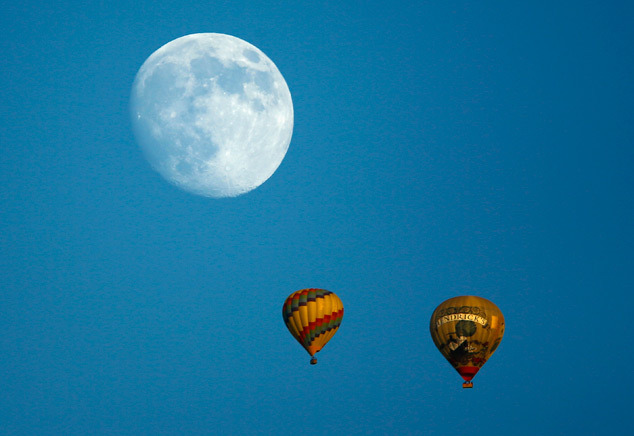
212,114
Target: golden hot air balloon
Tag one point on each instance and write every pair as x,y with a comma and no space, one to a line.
313,317
467,330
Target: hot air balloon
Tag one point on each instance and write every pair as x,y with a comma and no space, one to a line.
467,330
313,317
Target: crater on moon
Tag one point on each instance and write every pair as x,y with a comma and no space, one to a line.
212,114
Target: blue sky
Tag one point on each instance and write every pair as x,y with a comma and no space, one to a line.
439,149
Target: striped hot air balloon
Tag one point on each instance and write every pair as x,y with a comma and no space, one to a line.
313,317
467,330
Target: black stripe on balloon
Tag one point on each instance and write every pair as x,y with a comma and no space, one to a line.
305,303
320,330
313,337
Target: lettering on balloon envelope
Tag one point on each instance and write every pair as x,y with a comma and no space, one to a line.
467,330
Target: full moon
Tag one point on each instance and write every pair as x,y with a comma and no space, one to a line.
212,114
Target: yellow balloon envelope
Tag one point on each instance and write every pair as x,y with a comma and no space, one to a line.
467,330
313,317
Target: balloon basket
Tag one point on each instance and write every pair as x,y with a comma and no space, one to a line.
313,361
467,385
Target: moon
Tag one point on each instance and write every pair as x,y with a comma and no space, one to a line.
212,114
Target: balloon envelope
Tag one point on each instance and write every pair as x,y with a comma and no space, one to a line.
313,317
467,330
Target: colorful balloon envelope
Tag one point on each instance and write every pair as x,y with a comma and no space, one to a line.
313,317
467,330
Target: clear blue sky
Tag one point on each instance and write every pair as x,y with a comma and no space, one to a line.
439,149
